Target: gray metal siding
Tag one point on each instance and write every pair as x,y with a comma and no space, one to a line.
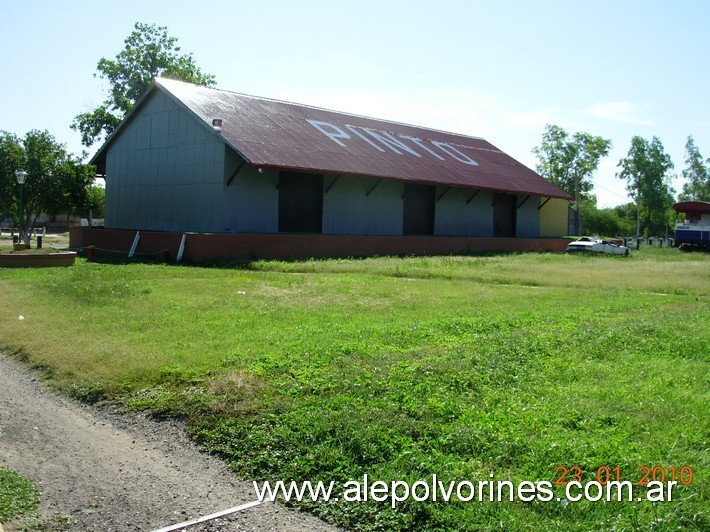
349,210
164,172
251,201
528,217
455,217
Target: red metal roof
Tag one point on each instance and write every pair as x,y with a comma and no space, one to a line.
692,207
279,134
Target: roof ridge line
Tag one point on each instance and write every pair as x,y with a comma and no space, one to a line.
309,106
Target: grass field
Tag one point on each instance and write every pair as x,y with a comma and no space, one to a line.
18,496
471,368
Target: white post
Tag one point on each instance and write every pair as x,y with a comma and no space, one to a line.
135,244
182,247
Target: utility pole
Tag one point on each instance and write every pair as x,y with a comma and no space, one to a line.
576,202
21,176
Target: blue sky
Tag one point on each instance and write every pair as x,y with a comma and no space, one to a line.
498,70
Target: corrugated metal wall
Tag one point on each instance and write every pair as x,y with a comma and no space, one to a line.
349,210
528,217
463,212
165,172
251,200
355,205
553,218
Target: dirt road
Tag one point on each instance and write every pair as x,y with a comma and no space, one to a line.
103,471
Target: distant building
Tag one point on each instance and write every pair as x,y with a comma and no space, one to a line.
193,159
694,230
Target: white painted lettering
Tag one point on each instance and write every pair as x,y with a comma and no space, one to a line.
391,142
363,137
337,135
334,132
423,146
453,152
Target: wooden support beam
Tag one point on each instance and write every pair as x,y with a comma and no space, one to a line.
234,174
443,193
332,183
523,202
469,200
373,187
543,203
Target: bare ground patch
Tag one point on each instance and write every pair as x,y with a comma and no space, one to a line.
100,470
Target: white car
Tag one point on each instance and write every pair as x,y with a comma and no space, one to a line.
592,245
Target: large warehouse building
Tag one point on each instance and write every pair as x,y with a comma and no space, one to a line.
212,163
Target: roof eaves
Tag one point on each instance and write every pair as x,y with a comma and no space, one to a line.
563,195
693,206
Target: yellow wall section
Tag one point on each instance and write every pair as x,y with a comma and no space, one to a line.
553,218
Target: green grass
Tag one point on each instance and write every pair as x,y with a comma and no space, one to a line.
18,496
400,368
50,244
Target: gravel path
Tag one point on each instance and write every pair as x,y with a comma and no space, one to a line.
103,471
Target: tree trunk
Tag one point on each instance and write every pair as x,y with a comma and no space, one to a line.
27,233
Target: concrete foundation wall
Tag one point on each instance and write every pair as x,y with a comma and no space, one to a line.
201,247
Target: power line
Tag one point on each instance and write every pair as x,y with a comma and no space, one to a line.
607,190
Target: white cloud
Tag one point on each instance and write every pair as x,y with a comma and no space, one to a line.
620,111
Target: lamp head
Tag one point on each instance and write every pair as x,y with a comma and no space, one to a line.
21,176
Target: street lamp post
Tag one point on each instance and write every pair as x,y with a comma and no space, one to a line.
21,176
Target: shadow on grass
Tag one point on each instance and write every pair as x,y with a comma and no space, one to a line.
255,263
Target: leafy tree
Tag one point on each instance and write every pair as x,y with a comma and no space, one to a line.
627,214
609,222
696,173
645,170
11,157
149,52
569,162
57,182
601,222
97,201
